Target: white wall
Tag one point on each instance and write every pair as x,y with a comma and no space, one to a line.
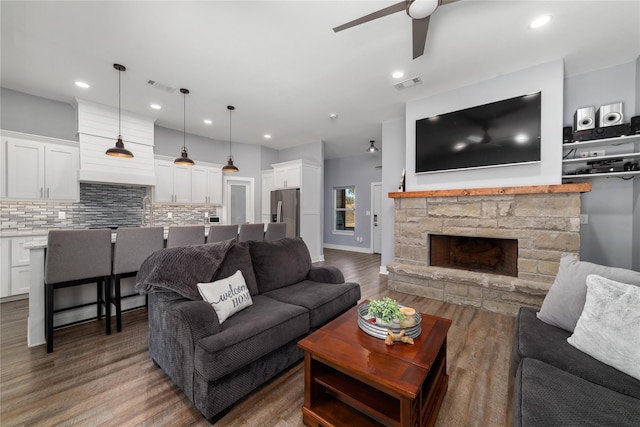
547,78
393,159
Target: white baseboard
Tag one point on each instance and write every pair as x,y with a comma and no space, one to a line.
347,248
383,270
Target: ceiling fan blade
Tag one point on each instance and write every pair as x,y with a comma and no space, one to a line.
420,27
375,15
447,1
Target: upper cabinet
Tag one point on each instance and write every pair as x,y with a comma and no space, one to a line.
37,169
287,174
200,184
206,185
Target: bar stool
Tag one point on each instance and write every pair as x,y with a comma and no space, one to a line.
220,232
250,232
133,245
185,235
77,257
275,231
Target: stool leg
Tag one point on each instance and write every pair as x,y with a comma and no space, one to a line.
49,316
99,298
117,303
107,303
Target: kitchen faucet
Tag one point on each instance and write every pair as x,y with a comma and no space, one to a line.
146,200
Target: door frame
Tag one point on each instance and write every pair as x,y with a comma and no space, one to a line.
248,182
375,186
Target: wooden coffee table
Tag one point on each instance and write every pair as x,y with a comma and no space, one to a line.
354,379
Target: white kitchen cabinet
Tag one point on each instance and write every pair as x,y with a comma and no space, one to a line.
173,183
199,184
41,170
214,185
287,174
14,263
206,185
267,187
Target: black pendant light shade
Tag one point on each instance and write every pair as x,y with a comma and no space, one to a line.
119,150
230,167
184,159
372,148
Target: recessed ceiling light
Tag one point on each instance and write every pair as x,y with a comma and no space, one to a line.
540,21
207,122
267,136
333,116
397,74
83,85
156,106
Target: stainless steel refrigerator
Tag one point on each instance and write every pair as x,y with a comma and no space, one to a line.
285,207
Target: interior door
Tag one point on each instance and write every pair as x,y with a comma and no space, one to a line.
238,200
376,220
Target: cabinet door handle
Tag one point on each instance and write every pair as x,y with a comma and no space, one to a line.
47,192
41,192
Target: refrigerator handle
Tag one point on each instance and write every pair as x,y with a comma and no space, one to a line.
279,212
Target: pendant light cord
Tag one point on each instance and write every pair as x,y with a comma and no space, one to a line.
184,121
119,110
230,132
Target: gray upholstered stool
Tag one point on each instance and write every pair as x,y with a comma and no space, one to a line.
275,231
77,257
185,235
133,245
251,232
220,232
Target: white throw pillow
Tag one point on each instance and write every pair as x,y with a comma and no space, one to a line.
227,296
609,327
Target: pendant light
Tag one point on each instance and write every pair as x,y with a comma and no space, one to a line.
119,150
184,159
372,148
229,167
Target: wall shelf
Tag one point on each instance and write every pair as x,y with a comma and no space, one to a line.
581,162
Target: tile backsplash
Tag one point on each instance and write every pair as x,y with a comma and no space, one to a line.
100,205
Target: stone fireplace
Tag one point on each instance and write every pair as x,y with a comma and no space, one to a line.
491,248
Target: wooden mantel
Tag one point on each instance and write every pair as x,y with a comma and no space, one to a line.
582,187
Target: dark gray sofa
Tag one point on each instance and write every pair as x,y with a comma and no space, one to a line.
556,384
217,364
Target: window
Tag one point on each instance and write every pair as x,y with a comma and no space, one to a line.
345,210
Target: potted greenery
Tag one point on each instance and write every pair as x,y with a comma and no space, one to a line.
387,310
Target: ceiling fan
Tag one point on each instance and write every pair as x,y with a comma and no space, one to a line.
418,10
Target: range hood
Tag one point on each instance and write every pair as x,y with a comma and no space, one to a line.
98,131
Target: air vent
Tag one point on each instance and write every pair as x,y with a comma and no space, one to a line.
161,86
408,83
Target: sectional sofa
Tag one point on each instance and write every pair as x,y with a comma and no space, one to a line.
217,355
576,362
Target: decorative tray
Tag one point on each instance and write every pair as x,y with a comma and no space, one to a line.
379,330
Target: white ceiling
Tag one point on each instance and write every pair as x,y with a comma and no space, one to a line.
281,65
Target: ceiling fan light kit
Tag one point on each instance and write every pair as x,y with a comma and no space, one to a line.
118,150
420,9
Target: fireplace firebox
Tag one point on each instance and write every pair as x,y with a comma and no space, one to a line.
481,254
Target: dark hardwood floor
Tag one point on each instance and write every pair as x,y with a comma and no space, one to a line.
96,380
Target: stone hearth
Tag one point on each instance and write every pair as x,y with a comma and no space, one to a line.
544,220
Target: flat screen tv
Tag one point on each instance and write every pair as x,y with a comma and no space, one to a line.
500,133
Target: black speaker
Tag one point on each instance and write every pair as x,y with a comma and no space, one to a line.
635,125
567,135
